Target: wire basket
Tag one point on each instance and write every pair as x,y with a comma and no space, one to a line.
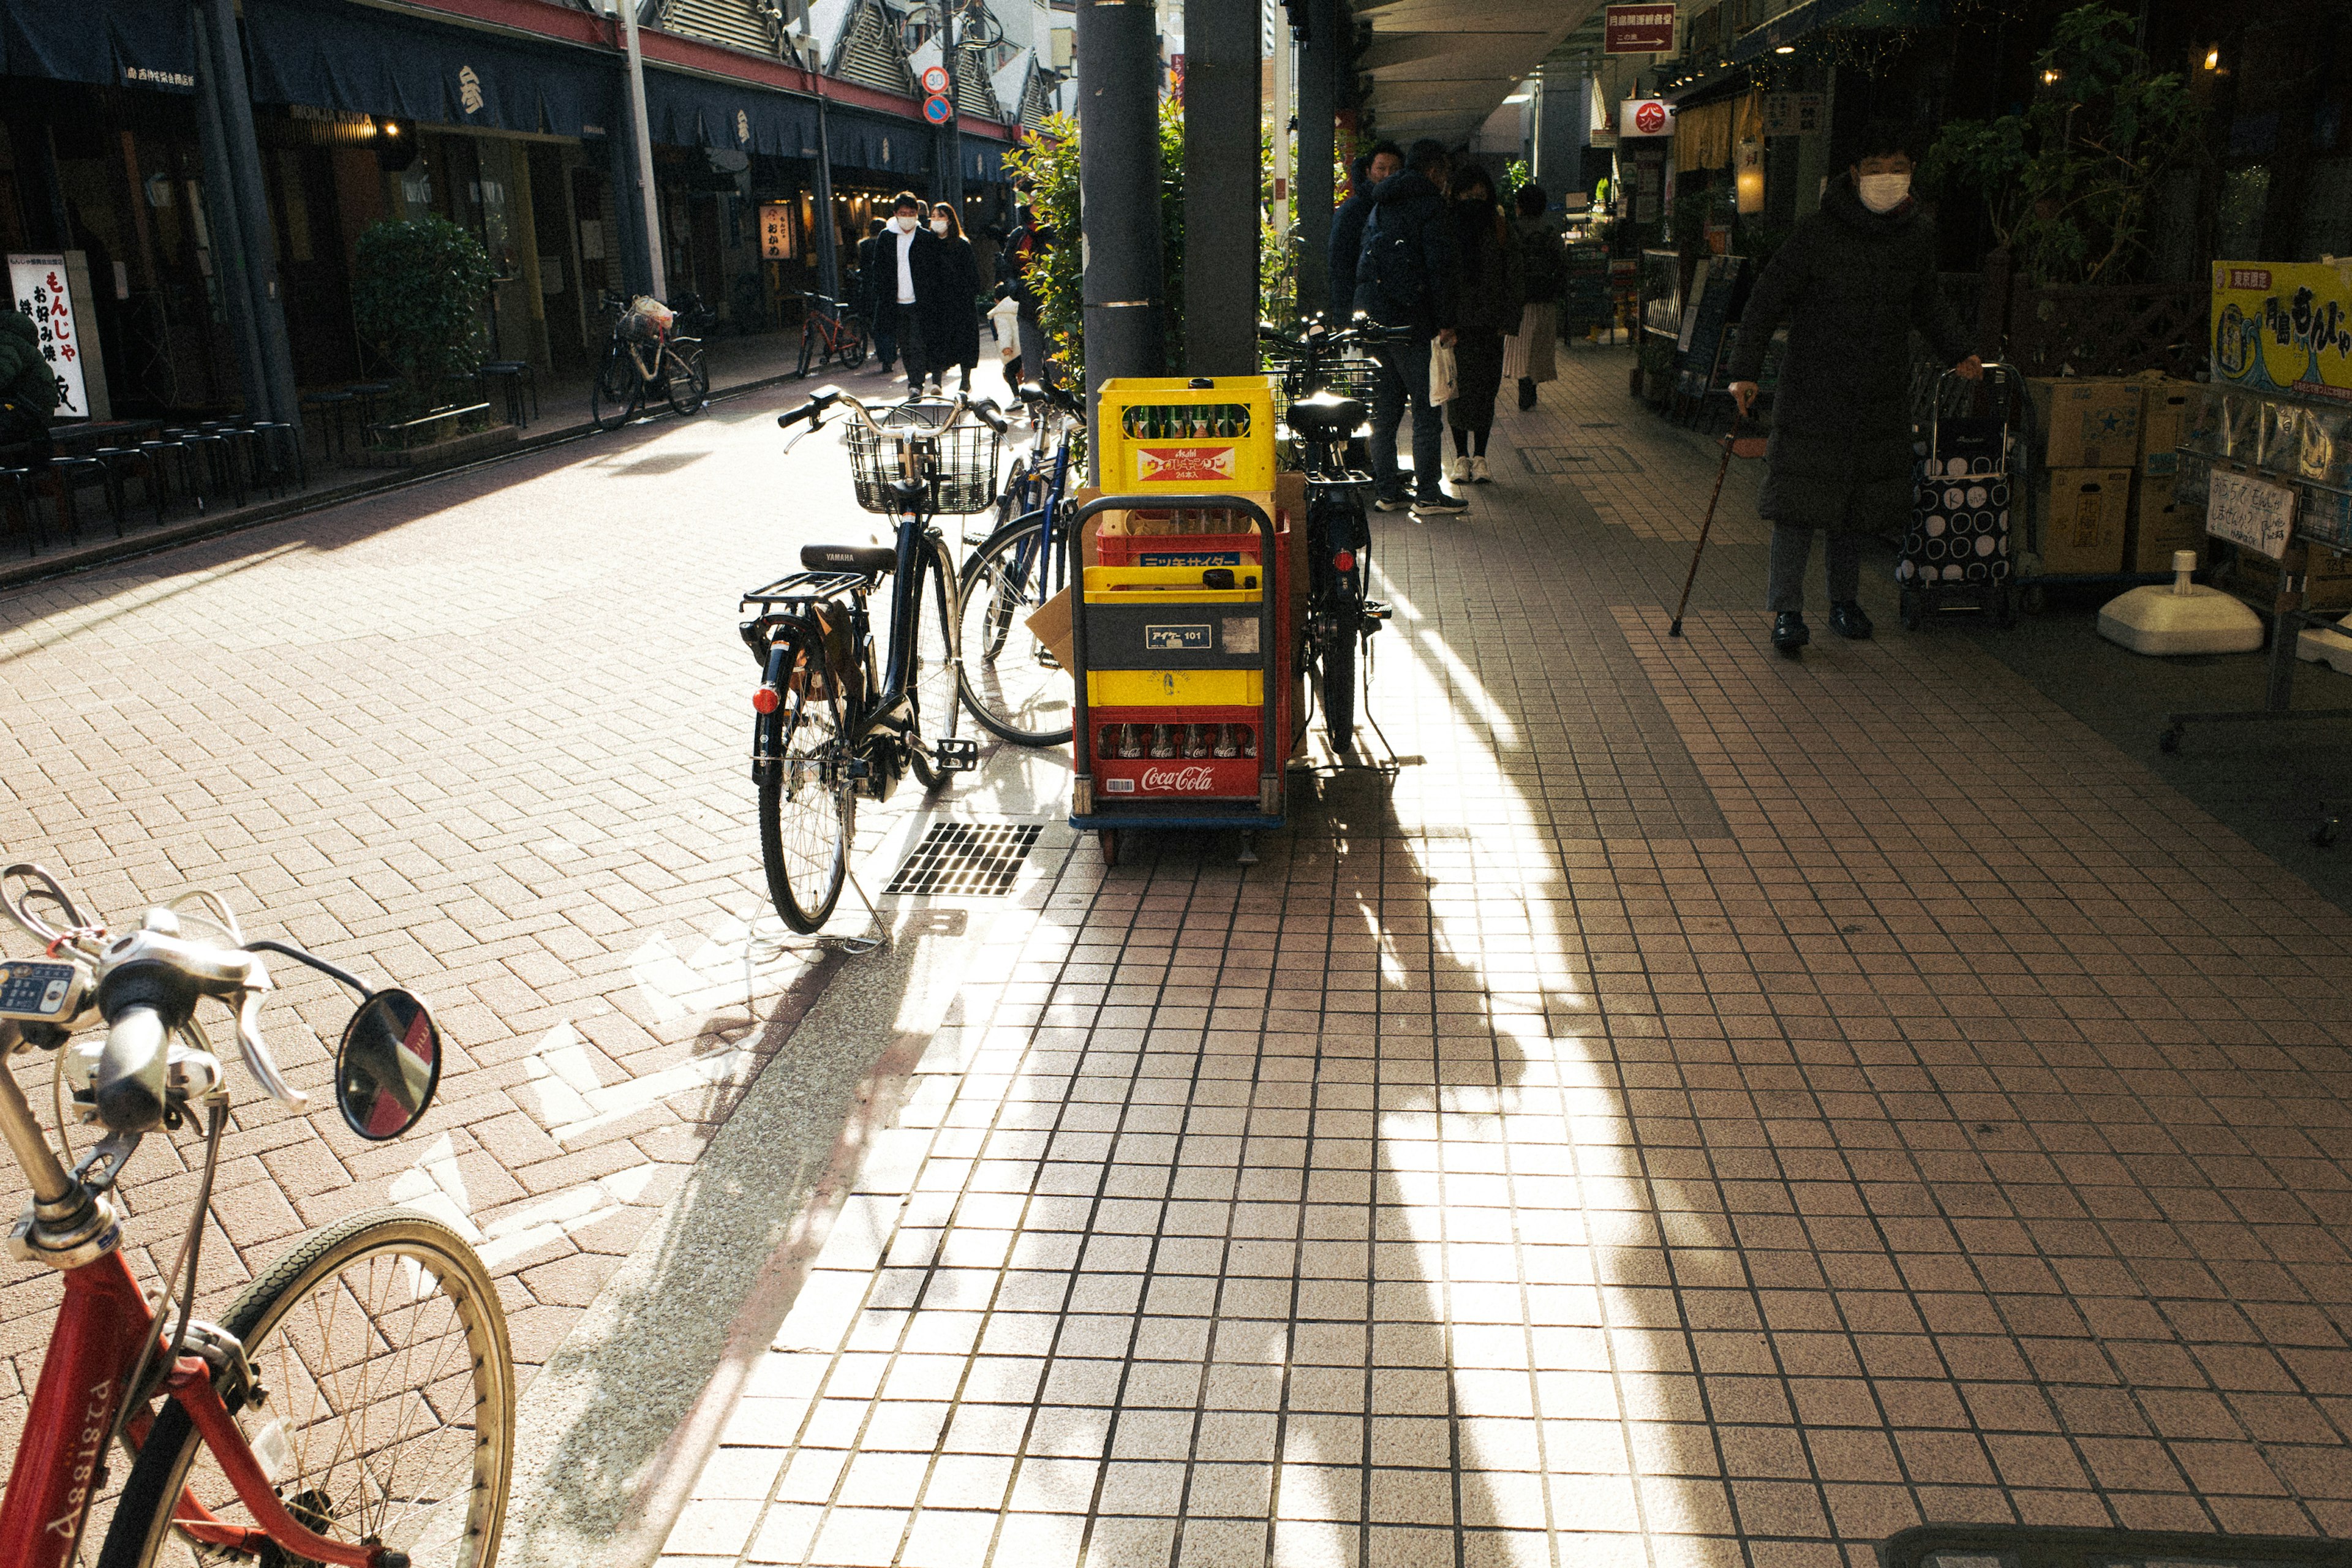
1352,375
959,462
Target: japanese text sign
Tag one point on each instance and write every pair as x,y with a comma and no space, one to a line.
2249,512
2281,327
37,285
1638,30
776,231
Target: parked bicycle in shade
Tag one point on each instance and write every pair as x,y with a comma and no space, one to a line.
650,354
1011,683
832,330
355,1404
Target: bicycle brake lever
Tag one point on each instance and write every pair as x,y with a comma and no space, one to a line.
257,1059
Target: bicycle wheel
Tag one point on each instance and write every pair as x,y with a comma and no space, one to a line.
618,393
1011,683
808,344
932,677
1339,678
806,808
383,1350
853,347
688,379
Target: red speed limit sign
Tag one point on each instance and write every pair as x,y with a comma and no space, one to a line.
935,80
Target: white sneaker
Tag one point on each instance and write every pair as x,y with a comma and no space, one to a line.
1457,469
1479,474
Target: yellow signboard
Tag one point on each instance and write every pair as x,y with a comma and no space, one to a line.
776,231
2283,327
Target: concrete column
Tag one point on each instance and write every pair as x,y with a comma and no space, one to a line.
1221,184
1320,61
1118,189
222,58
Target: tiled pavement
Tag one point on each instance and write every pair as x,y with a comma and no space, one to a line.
1698,1109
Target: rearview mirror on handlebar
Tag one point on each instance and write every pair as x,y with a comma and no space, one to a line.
388,1067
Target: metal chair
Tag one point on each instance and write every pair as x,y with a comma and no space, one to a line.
515,377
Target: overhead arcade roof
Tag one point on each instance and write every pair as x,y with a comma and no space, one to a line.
1439,68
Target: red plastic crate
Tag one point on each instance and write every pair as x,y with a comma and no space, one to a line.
1179,777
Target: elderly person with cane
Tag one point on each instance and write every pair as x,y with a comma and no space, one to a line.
1852,281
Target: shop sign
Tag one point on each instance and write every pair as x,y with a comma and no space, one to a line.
469,91
2250,511
742,127
2283,327
1645,117
37,284
1186,465
1638,30
1792,114
776,231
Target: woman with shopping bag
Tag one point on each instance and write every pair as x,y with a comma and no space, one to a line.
1488,306
1528,354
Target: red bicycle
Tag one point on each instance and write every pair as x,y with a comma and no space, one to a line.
356,1405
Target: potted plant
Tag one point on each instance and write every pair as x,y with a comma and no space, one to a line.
421,286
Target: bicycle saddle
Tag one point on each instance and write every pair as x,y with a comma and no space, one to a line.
872,560
1326,413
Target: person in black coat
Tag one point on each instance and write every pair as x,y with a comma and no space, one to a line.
951,311
918,277
1379,165
867,300
1852,281
1406,276
1490,292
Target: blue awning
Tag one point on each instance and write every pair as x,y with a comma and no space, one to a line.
696,111
332,55
112,43
880,142
983,161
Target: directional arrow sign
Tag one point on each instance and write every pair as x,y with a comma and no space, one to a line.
935,80
936,110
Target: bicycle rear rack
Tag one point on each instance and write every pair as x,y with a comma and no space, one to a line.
807,587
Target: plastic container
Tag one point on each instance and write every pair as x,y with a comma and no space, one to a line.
2327,646
2181,617
1168,433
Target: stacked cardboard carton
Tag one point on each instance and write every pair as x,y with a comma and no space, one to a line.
2105,493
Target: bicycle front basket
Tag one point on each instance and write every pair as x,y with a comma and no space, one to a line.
961,463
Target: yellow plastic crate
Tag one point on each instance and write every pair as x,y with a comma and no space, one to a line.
1175,688
1163,433
1129,584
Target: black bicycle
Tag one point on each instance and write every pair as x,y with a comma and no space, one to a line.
1340,616
1011,683
827,729
649,354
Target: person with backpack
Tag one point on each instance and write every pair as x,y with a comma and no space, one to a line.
29,390
1370,172
1406,276
1528,354
1488,291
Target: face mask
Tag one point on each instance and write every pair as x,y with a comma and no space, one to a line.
903,223
940,226
1883,193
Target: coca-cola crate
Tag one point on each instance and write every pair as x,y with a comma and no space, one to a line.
1147,777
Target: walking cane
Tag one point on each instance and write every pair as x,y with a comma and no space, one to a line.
1734,445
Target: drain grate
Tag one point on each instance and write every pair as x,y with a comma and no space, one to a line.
966,859
1562,462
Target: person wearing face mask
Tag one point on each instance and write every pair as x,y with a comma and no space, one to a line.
1488,291
1851,281
916,274
951,311
1407,273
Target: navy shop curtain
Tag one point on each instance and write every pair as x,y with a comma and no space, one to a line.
884,143
697,111
332,55
112,43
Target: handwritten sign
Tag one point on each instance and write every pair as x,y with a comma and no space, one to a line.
37,285
2250,511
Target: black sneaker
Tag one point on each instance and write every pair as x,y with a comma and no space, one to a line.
1439,503
1848,621
1527,392
1389,504
1790,634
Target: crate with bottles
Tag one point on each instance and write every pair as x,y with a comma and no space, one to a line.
1195,753
1169,433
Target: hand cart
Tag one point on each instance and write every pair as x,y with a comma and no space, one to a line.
1957,544
1182,667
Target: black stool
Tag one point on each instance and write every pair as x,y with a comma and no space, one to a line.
330,407
514,376
244,452
63,479
368,394
124,464
16,504
278,445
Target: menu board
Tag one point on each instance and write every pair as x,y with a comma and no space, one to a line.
2249,512
37,286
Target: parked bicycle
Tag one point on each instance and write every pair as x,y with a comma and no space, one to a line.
828,731
648,355
356,1404
1011,683
1340,616
832,329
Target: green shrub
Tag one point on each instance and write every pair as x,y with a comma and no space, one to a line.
418,300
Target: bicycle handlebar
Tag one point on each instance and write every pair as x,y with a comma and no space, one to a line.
989,415
1362,331
822,398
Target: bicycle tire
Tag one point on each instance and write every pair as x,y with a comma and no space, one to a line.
689,367
1339,685
934,677
1010,683
808,343
805,871
852,352
410,1246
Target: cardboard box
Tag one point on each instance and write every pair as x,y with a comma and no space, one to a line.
2085,515
2160,524
2086,421
2168,407
2326,577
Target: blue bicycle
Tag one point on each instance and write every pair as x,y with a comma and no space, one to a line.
1011,681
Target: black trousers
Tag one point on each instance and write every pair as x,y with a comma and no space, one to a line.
912,354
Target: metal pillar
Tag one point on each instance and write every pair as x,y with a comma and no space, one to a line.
224,58
1320,61
950,183
1220,174
1119,190
641,139
223,226
828,228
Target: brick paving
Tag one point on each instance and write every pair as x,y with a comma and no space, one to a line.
1700,1109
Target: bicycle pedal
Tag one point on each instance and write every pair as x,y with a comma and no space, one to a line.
1375,613
956,756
